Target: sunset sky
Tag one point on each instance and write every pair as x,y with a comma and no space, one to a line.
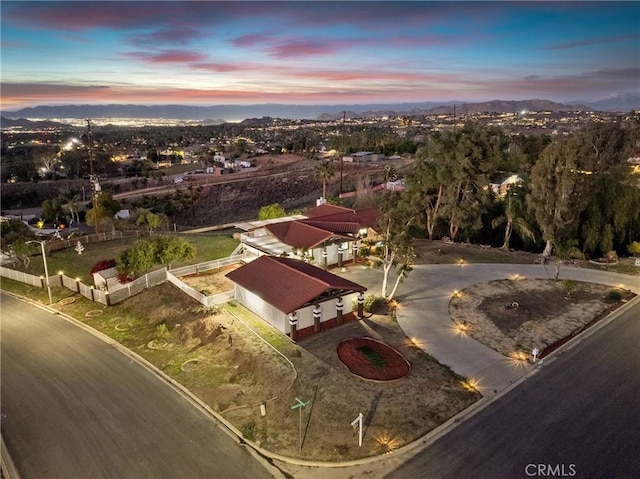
315,52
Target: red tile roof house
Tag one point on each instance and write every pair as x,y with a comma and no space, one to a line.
295,297
285,279
325,236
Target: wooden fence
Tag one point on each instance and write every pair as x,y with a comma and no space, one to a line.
95,238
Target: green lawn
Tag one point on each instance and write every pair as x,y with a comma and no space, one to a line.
78,266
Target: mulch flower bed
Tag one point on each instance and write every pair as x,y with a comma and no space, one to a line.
371,359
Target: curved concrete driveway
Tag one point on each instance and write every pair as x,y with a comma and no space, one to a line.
424,312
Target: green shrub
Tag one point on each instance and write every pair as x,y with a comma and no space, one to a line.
634,248
249,430
575,253
162,333
614,295
569,286
373,303
372,356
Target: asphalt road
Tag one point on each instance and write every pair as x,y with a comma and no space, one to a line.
579,416
73,406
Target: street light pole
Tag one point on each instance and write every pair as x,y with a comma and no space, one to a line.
46,270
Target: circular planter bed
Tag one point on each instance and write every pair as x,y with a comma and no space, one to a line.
371,359
157,344
604,262
190,365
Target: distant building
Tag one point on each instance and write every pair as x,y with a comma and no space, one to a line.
363,156
500,189
162,164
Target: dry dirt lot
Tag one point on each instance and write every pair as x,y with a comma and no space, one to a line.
513,315
210,282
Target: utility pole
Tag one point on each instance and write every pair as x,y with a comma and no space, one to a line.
344,116
454,117
93,179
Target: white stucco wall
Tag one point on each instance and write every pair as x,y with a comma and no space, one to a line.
280,320
332,255
268,313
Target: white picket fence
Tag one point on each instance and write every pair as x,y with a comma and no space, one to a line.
197,295
132,288
88,292
207,266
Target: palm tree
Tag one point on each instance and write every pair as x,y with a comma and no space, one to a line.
513,222
69,198
324,171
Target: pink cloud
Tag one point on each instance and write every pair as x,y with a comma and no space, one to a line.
21,94
172,35
298,48
288,48
373,75
78,16
86,15
222,67
168,56
251,40
17,95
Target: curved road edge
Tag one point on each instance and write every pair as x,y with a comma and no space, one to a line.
9,470
267,457
227,427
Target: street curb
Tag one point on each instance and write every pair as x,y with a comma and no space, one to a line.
228,428
7,465
414,447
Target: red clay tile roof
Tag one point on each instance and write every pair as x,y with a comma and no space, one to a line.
290,284
334,222
349,221
299,235
334,226
324,210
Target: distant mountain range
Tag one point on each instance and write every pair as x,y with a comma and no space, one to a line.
24,123
204,114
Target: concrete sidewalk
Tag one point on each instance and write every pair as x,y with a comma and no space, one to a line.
424,313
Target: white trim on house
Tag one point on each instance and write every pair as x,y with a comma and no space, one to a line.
280,320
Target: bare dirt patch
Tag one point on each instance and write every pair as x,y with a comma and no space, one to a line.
225,364
395,413
210,282
441,252
519,315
